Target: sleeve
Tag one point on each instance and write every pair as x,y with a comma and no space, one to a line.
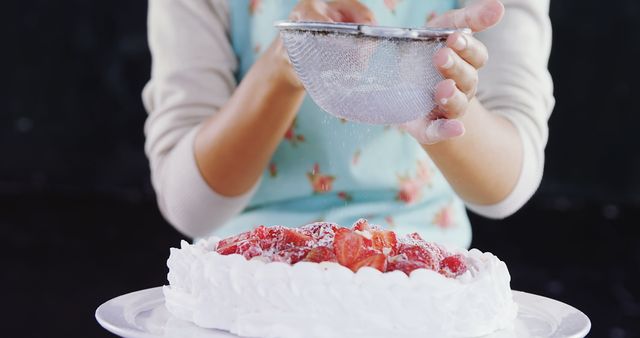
516,84
192,76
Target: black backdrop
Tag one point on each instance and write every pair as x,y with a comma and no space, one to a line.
78,219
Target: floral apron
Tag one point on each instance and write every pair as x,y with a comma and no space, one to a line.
327,169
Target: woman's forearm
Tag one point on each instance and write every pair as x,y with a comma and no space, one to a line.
233,146
484,165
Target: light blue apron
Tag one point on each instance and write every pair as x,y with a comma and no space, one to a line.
332,170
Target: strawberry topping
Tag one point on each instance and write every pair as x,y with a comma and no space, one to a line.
374,260
349,247
362,245
321,254
453,266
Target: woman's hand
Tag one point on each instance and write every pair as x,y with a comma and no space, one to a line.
458,63
235,145
332,11
322,11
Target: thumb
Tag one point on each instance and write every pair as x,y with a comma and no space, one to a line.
433,131
442,130
478,16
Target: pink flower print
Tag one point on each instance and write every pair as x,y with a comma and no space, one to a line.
320,183
355,159
273,170
390,221
254,6
424,173
391,5
291,135
444,218
431,16
345,196
410,190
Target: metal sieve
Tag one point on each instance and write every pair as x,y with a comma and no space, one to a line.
368,74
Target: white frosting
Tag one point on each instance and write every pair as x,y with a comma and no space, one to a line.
275,300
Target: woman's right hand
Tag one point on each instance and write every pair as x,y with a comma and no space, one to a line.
319,10
332,11
234,146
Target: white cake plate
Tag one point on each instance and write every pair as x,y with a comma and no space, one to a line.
142,314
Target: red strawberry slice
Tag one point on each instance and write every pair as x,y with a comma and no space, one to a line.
420,253
348,247
321,231
361,225
262,232
229,245
406,266
268,236
453,266
377,261
293,238
385,241
227,249
249,248
292,255
416,236
320,254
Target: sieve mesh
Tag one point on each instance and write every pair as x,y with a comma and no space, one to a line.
377,80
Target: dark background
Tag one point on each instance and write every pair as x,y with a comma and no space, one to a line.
78,217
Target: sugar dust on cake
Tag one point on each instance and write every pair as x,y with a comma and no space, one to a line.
324,280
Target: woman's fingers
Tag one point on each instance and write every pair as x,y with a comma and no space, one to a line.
334,11
469,48
458,63
353,11
478,16
452,102
453,67
314,10
427,131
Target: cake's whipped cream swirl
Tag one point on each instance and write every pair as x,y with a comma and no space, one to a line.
254,298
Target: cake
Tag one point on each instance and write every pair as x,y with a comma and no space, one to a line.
324,280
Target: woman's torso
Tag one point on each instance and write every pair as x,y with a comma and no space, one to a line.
333,170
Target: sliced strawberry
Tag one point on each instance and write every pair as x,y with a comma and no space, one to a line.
249,248
404,265
229,245
262,232
361,225
416,236
268,236
293,238
227,249
291,255
385,241
320,254
420,253
377,261
348,247
453,266
321,232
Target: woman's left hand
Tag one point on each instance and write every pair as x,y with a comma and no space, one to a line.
458,63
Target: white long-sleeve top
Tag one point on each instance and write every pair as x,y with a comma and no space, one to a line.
193,76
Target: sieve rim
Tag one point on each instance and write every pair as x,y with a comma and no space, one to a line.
368,30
